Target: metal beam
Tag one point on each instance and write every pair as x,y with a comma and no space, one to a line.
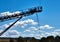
9,26
25,13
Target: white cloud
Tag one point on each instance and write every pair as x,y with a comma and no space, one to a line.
9,13
48,33
40,35
15,33
46,27
35,32
36,29
5,13
5,26
33,28
11,33
56,32
20,23
25,23
53,33
27,31
1,31
17,12
3,34
29,21
45,34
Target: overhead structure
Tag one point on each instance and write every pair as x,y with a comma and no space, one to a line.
30,11
25,13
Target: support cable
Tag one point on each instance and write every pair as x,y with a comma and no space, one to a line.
37,19
40,4
38,24
27,13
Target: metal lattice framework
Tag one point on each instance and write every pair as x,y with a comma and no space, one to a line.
30,11
26,13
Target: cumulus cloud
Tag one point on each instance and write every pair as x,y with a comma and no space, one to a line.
29,21
52,33
14,33
56,32
20,23
1,31
9,13
17,12
35,32
45,34
27,31
31,29
3,34
11,33
36,29
4,26
5,13
46,27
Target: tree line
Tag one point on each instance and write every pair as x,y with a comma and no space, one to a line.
43,39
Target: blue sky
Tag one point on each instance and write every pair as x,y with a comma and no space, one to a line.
48,19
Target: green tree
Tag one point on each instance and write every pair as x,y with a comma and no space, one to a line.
33,39
20,39
43,39
57,39
50,39
11,40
